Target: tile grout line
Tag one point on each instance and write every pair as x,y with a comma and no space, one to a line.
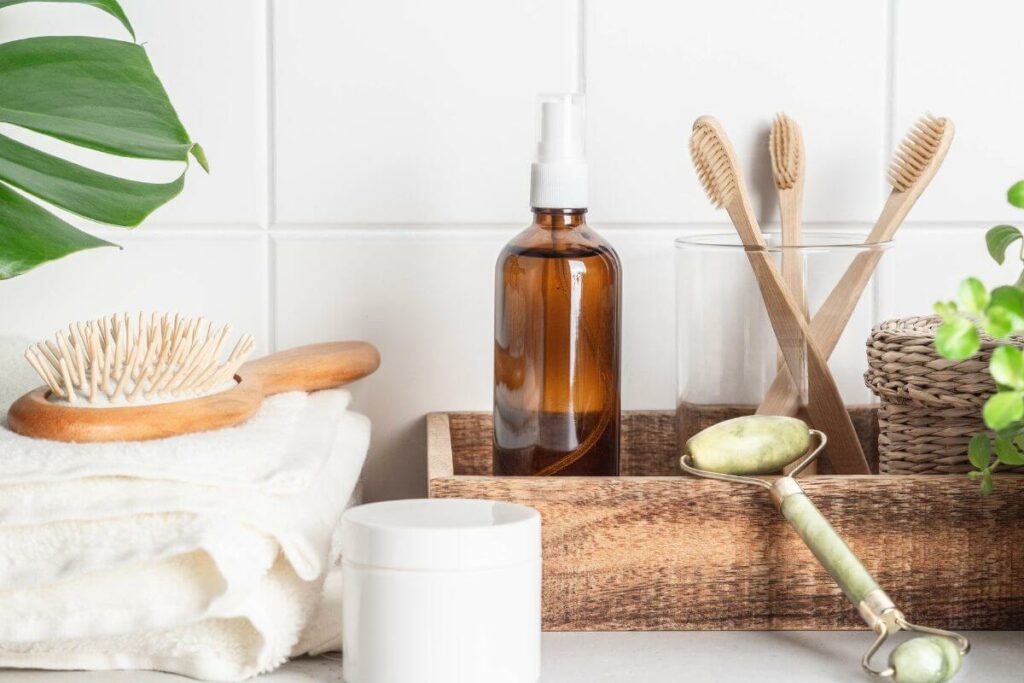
257,231
877,293
853,226
890,88
270,188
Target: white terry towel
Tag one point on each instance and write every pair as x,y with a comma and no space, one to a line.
250,456
161,555
301,522
283,617
185,568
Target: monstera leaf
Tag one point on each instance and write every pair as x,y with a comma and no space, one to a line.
92,92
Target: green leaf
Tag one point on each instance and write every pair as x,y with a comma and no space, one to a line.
1008,454
999,239
979,450
81,190
1003,409
972,295
94,92
200,156
1010,299
957,338
986,482
1007,367
998,322
109,6
973,474
31,235
945,309
1015,195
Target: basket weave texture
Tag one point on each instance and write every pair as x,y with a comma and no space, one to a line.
931,406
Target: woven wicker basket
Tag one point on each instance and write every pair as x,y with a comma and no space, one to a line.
931,406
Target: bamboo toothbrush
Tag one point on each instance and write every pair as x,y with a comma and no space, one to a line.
914,164
718,170
131,379
786,146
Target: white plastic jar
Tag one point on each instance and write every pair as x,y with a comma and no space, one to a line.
441,591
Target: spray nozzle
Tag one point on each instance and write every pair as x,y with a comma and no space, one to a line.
559,178
562,129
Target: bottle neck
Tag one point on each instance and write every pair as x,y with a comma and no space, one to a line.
559,219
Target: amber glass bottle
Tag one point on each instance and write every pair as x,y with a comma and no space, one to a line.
556,350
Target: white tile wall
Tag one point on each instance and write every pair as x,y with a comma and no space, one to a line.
406,111
370,159
220,275
960,63
656,66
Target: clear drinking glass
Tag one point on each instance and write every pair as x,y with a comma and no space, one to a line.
726,352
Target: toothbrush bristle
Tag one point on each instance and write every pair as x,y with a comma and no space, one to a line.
122,360
713,160
786,145
917,150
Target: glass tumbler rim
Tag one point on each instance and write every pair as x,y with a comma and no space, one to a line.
811,241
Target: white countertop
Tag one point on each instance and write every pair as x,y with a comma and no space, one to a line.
666,657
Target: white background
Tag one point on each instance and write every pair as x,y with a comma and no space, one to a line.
369,159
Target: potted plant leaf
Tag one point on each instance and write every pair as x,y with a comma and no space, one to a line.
95,93
1000,314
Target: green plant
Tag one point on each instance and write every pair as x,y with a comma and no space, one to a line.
1000,314
96,93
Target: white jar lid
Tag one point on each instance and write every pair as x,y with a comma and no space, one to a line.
440,534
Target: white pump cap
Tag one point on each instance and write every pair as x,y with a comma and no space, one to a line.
559,175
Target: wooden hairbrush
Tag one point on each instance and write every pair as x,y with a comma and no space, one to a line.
116,379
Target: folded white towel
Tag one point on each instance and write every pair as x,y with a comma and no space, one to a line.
177,554
43,554
262,635
251,455
301,522
143,592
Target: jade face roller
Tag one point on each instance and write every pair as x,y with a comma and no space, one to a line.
761,444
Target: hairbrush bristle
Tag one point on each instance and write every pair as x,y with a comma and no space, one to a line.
116,360
916,151
786,144
714,161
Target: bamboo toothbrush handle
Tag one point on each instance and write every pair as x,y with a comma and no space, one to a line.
790,203
825,406
792,261
313,367
782,397
915,163
792,264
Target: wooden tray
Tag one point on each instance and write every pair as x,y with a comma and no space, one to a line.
653,550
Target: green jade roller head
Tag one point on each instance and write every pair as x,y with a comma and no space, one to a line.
761,444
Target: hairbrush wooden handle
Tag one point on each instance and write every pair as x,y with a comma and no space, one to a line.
313,367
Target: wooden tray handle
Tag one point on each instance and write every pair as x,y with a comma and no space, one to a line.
313,367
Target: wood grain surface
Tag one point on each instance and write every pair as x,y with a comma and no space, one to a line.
677,553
